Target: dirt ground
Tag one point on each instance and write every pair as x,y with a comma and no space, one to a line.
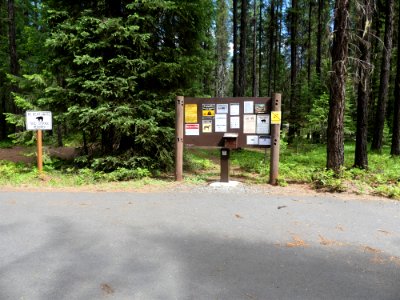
28,154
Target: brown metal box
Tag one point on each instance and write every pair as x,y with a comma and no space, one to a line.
231,140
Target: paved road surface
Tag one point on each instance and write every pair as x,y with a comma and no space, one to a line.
198,244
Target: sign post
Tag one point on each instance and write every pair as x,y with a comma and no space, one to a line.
39,120
275,138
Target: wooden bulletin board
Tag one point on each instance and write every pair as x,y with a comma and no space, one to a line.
207,120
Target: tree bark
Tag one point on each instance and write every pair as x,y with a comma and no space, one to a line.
309,42
254,71
271,45
319,38
14,65
293,72
335,143
260,57
235,49
395,149
243,52
364,71
12,44
222,48
377,141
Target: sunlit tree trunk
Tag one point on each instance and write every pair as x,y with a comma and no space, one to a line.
364,71
335,133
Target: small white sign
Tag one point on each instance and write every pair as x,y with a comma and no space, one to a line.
192,129
235,122
252,139
235,109
39,120
220,123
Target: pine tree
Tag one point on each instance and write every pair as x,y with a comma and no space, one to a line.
377,141
335,133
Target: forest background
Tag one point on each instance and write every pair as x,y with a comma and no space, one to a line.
110,71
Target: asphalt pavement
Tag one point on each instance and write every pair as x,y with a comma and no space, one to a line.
203,243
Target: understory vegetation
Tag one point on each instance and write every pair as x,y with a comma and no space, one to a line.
299,164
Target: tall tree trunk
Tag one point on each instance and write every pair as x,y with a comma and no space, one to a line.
260,49
3,125
222,48
271,45
364,71
395,149
235,49
254,71
243,48
319,38
278,34
293,72
12,44
14,65
377,141
335,143
310,8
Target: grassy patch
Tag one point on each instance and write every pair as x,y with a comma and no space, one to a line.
306,164
299,164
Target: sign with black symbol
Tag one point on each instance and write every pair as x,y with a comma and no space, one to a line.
208,110
39,120
263,124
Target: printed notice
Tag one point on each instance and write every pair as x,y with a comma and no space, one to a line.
208,110
264,140
235,109
249,124
192,129
248,107
222,108
190,113
220,123
207,126
252,140
263,124
235,122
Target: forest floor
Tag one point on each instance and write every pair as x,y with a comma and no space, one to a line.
26,155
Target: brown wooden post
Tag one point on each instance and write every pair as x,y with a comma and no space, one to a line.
39,152
275,138
179,138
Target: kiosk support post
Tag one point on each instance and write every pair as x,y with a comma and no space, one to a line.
39,152
179,138
225,165
275,139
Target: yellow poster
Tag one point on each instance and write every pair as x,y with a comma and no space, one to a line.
276,117
208,110
190,113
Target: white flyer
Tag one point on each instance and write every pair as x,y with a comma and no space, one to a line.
249,124
263,124
235,122
248,107
235,109
220,122
222,108
252,140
